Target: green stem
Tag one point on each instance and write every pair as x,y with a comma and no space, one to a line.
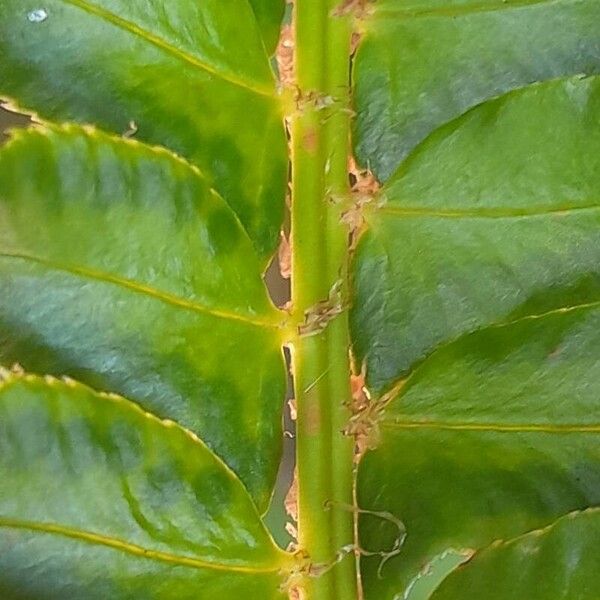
320,147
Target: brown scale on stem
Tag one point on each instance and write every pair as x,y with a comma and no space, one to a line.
364,188
366,412
285,57
321,314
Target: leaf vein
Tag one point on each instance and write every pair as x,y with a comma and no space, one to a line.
163,45
493,427
126,547
401,13
396,389
481,213
139,288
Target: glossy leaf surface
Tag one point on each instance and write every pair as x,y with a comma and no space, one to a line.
101,500
137,269
492,430
495,434
495,216
559,562
422,63
191,76
119,266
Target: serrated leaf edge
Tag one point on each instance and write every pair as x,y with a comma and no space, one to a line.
11,377
395,390
453,124
534,533
46,129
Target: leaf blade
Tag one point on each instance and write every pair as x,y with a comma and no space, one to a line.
561,562
442,223
502,426
487,232
121,267
134,66
422,64
163,490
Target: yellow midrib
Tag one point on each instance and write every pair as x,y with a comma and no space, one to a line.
479,213
140,288
128,548
493,427
159,42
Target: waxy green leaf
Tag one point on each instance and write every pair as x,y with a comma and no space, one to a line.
494,435
137,269
491,430
101,500
495,216
560,562
191,76
422,63
121,267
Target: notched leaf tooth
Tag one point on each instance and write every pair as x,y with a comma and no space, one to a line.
68,381
15,372
17,369
131,130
